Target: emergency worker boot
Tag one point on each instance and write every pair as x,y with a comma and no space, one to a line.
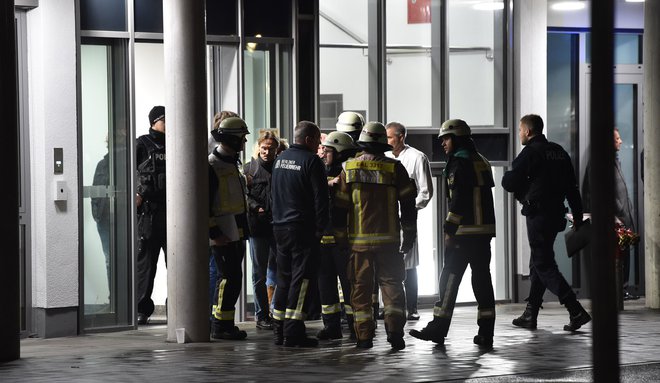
365,343
396,341
528,317
350,322
331,327
483,341
233,333
300,341
278,332
578,316
430,332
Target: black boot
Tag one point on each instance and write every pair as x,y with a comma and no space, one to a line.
226,330
578,316
396,341
528,317
300,341
278,332
331,327
430,332
483,341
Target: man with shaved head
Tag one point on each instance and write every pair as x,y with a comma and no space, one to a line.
299,192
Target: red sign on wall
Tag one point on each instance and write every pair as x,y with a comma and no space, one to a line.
419,11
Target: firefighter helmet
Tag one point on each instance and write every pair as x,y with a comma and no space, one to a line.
234,126
349,122
374,132
458,128
340,141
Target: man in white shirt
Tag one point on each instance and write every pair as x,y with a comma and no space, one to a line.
419,169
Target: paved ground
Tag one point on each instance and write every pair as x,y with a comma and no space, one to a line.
547,354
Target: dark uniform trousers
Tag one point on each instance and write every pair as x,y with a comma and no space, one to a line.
297,267
473,251
229,262
333,264
542,230
151,241
385,265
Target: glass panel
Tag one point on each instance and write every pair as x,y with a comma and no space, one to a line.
475,63
408,51
259,16
149,16
221,17
103,15
104,156
627,48
427,240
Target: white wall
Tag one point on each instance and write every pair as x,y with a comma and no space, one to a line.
53,121
627,15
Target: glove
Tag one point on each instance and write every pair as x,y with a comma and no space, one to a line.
408,241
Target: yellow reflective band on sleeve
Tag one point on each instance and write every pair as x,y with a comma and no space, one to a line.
348,309
475,229
394,311
442,312
278,314
478,214
454,218
486,314
330,309
371,165
363,316
327,240
297,313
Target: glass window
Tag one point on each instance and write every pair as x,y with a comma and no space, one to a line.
408,36
259,16
627,48
221,17
476,62
343,68
103,15
149,16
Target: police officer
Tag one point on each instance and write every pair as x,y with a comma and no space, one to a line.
468,228
339,147
541,178
228,224
299,192
351,123
372,190
150,200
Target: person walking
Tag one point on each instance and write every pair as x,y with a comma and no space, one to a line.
541,178
372,190
469,228
299,192
419,170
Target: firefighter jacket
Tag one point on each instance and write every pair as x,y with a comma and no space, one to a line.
469,180
541,178
371,190
299,189
151,168
227,191
332,171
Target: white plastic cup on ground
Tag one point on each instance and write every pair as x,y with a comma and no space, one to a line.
181,335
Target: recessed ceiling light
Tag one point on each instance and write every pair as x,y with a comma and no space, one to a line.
568,6
489,6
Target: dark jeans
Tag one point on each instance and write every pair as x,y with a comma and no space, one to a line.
543,270
147,260
261,250
297,267
476,253
103,227
411,286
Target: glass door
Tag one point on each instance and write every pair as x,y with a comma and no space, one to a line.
106,259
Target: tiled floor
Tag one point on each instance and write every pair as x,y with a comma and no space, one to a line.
547,354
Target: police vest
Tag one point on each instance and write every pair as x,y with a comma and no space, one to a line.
151,172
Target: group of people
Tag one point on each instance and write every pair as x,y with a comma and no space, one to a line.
349,213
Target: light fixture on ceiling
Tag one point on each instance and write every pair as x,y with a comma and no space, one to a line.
568,6
634,1
252,46
489,6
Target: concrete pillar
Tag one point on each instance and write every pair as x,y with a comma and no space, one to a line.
9,264
652,151
184,36
603,287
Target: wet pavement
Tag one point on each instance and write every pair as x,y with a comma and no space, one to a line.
547,354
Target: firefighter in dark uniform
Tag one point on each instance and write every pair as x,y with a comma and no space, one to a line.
469,228
339,147
227,224
541,178
299,191
150,200
372,190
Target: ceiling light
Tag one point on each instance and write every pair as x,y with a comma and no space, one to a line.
489,6
634,1
568,6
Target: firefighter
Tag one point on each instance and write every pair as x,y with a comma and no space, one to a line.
228,224
351,123
299,190
338,147
372,190
468,228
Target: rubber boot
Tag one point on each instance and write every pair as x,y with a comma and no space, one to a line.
528,317
331,327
